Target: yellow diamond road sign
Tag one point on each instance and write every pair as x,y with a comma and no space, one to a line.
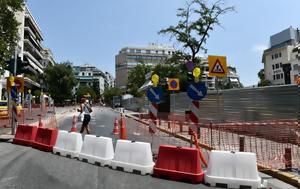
217,66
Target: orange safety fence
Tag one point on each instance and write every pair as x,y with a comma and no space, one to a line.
267,139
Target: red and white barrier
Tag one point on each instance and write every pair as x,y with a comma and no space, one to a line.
194,115
153,114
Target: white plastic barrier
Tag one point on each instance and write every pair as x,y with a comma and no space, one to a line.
133,156
232,170
68,144
97,150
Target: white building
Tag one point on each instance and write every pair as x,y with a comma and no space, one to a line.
29,49
92,77
279,64
110,81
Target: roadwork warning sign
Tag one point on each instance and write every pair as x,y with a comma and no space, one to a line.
217,66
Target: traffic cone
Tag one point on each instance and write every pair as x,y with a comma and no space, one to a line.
40,122
123,134
74,128
116,127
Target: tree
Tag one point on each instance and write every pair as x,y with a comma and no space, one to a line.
60,80
263,81
109,93
196,20
136,78
8,30
84,90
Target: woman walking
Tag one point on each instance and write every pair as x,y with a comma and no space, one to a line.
86,110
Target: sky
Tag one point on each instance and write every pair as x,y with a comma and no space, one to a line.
93,31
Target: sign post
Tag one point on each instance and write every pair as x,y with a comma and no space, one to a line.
196,92
173,84
14,96
28,99
154,95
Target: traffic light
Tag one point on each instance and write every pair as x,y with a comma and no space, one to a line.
22,66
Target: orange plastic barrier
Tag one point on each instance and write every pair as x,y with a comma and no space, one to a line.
25,135
179,164
45,139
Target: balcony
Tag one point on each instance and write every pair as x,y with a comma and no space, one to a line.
33,62
33,48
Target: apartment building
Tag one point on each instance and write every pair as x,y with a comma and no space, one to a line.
92,77
280,64
129,57
110,81
30,49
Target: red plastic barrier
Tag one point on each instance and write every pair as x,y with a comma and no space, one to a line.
45,139
25,135
179,164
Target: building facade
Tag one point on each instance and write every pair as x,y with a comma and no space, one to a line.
29,48
110,81
129,57
92,77
280,65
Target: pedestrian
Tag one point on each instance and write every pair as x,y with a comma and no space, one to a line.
86,110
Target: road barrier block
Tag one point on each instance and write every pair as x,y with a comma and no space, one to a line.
45,139
68,144
97,150
25,135
232,170
179,164
133,156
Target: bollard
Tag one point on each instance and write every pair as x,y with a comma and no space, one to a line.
242,144
288,158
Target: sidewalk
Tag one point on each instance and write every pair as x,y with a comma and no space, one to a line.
5,124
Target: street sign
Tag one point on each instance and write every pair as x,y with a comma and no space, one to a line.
197,91
173,84
14,92
217,66
155,94
19,83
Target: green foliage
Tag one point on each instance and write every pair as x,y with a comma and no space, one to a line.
60,81
109,93
84,90
196,20
136,78
8,29
263,81
37,94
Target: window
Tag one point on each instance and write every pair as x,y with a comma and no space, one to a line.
169,52
163,52
272,57
147,51
280,54
277,76
138,51
90,74
281,75
82,74
276,55
274,77
156,52
280,64
273,67
277,66
131,50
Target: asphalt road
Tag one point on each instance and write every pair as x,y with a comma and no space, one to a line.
27,168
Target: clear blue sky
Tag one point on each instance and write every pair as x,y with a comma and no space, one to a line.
93,31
